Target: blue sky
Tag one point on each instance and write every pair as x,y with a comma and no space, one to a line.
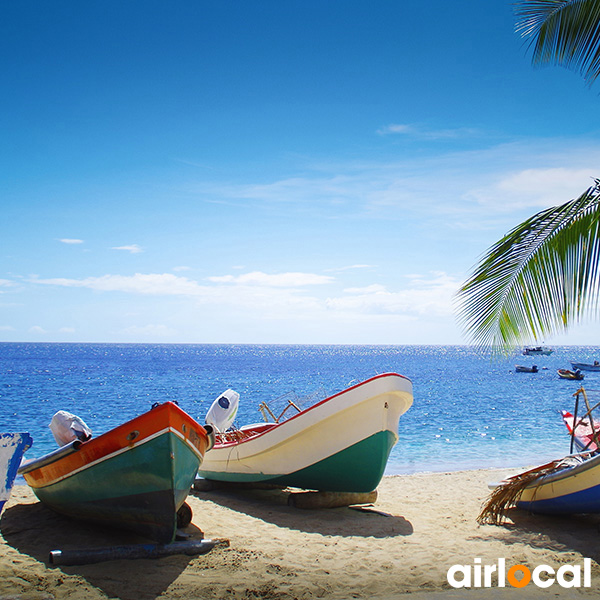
270,171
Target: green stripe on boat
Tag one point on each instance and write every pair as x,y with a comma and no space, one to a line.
358,468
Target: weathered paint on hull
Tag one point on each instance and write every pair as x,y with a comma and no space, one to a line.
12,448
135,476
141,489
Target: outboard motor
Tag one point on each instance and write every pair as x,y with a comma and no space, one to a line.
67,428
223,410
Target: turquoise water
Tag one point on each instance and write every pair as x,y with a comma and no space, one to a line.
469,411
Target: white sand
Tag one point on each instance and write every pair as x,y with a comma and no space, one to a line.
280,552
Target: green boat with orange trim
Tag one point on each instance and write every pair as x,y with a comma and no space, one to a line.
136,476
339,444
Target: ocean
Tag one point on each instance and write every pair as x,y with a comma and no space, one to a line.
470,410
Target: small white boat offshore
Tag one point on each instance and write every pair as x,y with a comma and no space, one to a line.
12,448
595,366
537,351
340,444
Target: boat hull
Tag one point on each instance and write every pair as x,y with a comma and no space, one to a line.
572,490
522,369
567,374
585,366
12,448
341,444
538,351
135,476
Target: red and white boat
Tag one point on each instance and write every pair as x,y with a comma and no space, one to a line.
339,444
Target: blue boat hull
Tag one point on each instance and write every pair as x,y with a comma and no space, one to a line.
571,490
12,448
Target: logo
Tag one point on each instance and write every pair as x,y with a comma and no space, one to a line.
518,576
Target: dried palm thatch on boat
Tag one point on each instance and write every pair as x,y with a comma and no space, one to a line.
506,494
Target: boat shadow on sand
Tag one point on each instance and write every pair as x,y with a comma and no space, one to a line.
559,533
272,506
35,530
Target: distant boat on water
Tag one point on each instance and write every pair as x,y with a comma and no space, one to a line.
576,375
595,366
537,351
524,369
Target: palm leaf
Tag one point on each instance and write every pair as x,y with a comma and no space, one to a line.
538,279
563,32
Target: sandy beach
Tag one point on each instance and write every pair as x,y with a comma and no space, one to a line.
405,543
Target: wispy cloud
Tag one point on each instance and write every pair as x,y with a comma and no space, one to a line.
37,329
427,134
535,187
165,284
70,241
464,188
423,295
133,248
276,280
276,295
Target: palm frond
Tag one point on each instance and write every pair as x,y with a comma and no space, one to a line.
563,32
538,279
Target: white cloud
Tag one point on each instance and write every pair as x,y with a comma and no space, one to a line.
260,298
395,128
133,248
426,134
424,296
151,283
466,189
256,290
37,329
70,241
7,328
181,268
258,278
535,187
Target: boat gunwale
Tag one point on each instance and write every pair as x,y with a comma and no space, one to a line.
567,471
108,435
112,455
250,438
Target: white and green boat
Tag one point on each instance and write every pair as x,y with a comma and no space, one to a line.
339,444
